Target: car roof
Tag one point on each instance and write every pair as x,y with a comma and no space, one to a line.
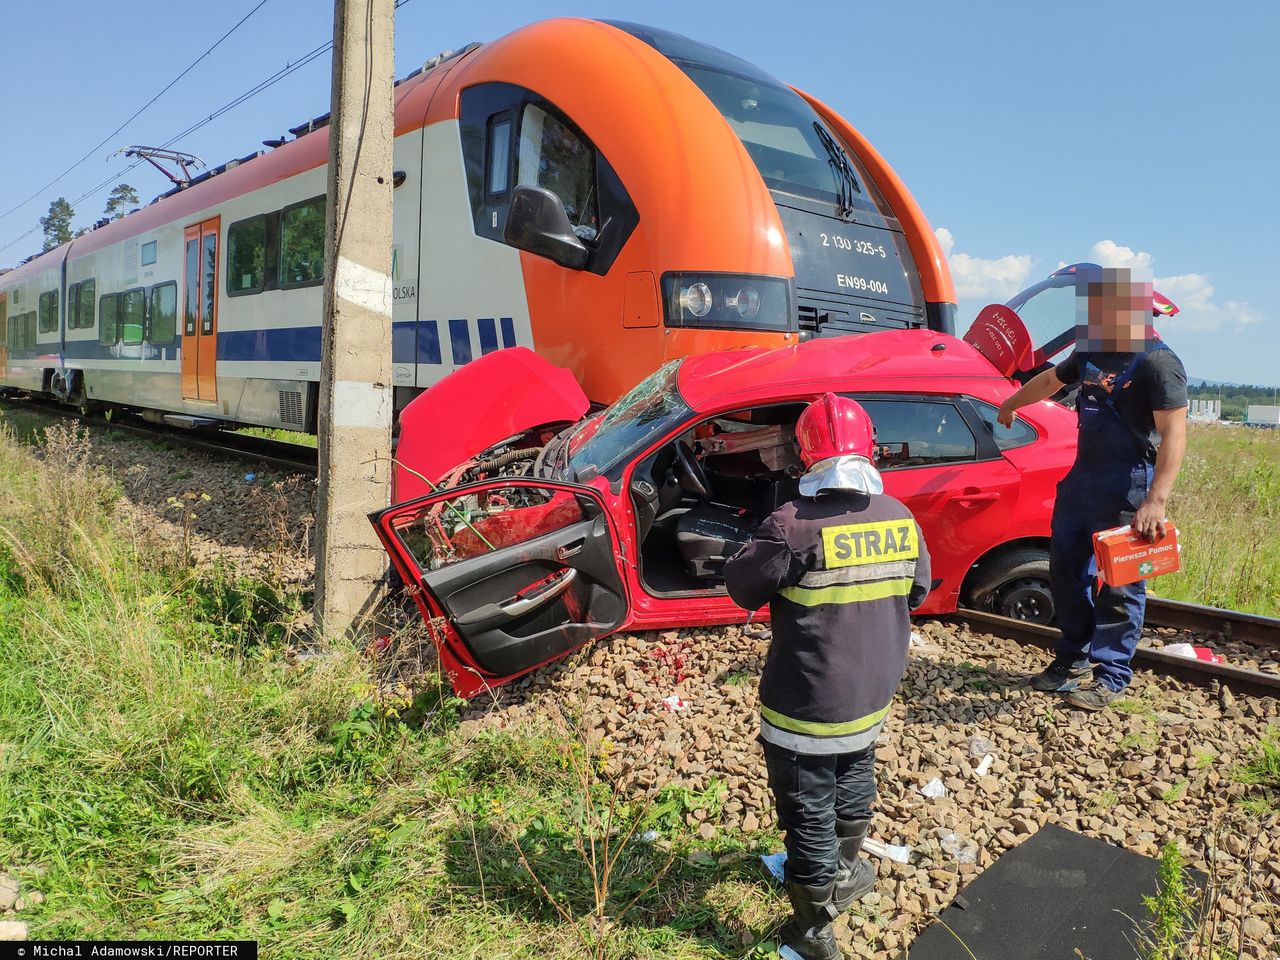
856,361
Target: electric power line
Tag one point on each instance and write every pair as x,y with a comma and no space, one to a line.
281,74
191,66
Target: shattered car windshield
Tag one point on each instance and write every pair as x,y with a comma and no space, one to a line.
652,407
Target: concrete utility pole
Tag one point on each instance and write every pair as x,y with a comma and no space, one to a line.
355,391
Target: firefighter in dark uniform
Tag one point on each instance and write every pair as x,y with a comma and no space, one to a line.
1132,413
840,569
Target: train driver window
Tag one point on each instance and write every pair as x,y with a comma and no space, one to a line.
552,154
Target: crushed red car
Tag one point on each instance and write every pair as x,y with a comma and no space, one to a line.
526,531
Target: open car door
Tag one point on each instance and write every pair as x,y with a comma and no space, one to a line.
509,574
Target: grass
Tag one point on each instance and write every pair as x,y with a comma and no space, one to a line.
1226,505
284,436
173,770
1261,772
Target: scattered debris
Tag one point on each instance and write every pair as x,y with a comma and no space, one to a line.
934,789
887,851
675,703
1192,652
959,846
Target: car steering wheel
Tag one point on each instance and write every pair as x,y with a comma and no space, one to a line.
690,473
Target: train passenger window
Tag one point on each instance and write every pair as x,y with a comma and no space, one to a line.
498,162
162,317
49,311
919,433
84,304
246,256
108,314
149,253
553,155
30,340
73,306
302,244
133,316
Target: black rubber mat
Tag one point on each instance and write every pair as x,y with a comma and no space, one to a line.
1056,894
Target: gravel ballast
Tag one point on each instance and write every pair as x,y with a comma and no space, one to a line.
1154,769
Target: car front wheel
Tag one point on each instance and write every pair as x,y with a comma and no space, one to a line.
1014,584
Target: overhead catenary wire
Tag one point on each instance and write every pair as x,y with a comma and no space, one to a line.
137,113
281,74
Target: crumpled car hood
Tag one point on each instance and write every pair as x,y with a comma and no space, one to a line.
496,396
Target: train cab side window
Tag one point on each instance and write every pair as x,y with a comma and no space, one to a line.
149,253
553,155
108,312
162,315
133,316
49,311
84,304
302,244
498,160
247,256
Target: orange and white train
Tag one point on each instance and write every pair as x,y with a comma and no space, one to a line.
608,194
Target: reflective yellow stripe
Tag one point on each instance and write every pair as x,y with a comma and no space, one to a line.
853,544
816,729
849,593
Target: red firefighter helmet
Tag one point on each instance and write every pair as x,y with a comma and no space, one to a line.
834,426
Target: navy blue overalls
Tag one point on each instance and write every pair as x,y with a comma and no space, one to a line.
1106,485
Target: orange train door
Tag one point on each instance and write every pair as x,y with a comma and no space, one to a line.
200,314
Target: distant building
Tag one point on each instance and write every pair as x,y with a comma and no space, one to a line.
1204,411
1262,415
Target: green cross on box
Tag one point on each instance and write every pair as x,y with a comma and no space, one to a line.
1145,567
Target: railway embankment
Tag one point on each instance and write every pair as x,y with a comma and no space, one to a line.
173,762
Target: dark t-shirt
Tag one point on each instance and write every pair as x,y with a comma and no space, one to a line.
1159,383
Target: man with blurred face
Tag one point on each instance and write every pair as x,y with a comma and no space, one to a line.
1131,410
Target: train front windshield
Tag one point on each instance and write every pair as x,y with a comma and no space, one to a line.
853,267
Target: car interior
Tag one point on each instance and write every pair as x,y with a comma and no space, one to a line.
700,497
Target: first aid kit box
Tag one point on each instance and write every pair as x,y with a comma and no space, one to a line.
1126,556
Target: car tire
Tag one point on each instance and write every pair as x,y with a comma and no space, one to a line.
1014,584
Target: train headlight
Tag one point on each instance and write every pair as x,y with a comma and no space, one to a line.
728,301
746,301
696,300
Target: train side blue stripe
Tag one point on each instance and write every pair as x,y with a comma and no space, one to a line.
296,344
404,341
460,342
488,335
429,342
508,332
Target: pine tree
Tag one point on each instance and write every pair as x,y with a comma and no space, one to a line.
57,224
123,199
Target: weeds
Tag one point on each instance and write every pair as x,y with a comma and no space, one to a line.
1172,909
1262,772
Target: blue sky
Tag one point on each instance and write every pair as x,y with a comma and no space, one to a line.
1032,134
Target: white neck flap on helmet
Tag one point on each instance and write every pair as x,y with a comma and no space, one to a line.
850,473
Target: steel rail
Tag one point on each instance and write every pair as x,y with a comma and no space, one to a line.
1231,624
1252,683
256,450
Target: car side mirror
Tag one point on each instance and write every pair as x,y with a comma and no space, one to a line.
537,222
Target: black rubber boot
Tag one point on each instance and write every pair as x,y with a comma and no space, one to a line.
857,875
809,932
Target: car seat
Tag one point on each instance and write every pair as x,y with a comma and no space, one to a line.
707,536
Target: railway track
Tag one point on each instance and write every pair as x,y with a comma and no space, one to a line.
1209,623
259,451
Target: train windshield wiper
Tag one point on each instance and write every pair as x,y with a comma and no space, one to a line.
843,169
